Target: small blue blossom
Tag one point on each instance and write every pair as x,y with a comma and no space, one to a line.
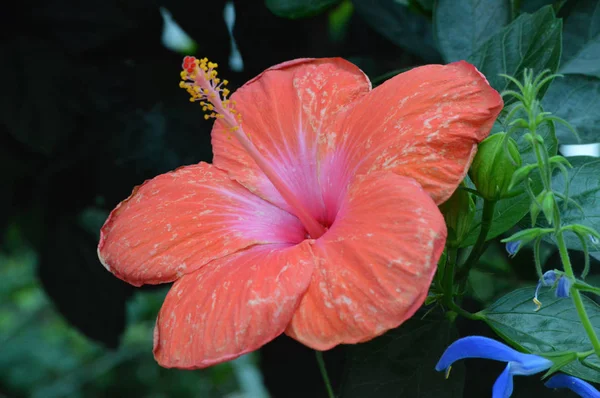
548,279
483,347
564,285
580,387
513,247
594,239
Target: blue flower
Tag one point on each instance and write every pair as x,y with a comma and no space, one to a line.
582,388
564,285
549,279
482,347
513,247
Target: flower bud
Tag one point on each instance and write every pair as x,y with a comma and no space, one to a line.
458,212
494,166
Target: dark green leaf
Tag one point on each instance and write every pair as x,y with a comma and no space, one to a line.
584,188
533,5
398,23
531,41
576,99
298,8
554,328
581,40
78,285
401,363
461,26
508,212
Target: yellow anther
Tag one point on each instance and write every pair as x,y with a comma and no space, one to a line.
538,304
202,84
448,371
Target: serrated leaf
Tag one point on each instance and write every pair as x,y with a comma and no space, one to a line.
531,41
462,25
581,40
298,8
576,99
555,328
401,363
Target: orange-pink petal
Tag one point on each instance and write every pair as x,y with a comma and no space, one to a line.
288,112
374,266
179,221
424,123
232,306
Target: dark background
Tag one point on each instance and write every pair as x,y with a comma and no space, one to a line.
90,108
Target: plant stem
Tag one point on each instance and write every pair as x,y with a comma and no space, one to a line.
323,370
486,223
448,286
583,316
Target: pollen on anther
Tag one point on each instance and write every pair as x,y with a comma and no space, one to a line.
199,79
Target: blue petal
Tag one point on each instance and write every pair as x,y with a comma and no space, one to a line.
503,387
564,285
482,347
584,389
548,278
513,247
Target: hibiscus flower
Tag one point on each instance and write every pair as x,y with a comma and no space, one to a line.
317,217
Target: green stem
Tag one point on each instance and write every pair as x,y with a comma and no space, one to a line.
486,223
464,313
584,287
583,316
448,285
323,370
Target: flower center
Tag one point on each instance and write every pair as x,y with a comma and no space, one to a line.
199,78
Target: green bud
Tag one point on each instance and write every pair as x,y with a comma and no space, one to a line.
548,206
458,212
494,166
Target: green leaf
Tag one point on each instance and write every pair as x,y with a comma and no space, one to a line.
395,21
401,363
555,328
533,5
581,40
508,212
584,188
576,99
530,41
298,8
462,25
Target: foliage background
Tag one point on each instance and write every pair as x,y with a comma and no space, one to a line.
91,107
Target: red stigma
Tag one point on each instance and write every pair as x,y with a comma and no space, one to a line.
189,63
